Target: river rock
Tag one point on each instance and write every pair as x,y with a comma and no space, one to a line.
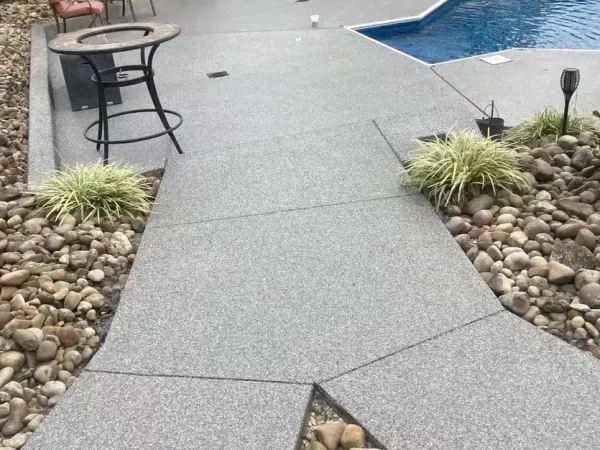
329,434
121,243
590,295
581,158
480,202
68,336
569,230
46,351
72,300
517,239
544,207
96,275
516,302
586,239
567,142
26,339
46,372
516,261
353,437
12,359
577,209
583,277
535,227
17,441
6,375
35,423
18,411
572,255
455,225
67,224
54,242
52,388
16,278
78,259
13,389
483,262
541,170
499,284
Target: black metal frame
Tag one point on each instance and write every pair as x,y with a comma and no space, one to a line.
103,138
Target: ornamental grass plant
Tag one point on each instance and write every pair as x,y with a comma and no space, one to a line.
455,170
547,122
93,191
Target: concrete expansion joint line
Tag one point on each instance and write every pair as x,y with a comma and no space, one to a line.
197,377
387,141
416,344
458,91
305,208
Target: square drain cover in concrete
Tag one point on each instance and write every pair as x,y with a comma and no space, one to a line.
217,74
496,59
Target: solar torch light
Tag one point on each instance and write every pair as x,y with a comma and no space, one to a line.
569,80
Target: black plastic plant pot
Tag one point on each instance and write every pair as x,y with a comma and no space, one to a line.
492,128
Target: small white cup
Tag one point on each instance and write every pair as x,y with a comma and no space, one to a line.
315,20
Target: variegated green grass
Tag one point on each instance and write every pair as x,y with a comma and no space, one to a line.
463,166
93,191
548,122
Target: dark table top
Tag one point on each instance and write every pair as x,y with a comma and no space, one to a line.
71,43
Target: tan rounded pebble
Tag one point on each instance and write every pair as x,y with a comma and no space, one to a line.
329,434
18,411
17,441
35,423
353,437
577,322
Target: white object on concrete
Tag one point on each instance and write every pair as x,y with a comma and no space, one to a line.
496,59
315,20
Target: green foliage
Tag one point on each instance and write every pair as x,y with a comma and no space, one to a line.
93,190
460,168
548,122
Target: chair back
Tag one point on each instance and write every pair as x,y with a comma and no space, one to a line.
59,6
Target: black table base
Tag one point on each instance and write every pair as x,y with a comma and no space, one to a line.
101,78
118,77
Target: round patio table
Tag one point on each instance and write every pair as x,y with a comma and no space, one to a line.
154,34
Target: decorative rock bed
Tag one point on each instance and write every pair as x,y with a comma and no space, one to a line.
540,251
326,430
59,286
59,282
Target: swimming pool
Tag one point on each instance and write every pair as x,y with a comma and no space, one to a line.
462,28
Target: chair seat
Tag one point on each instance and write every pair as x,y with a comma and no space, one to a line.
68,10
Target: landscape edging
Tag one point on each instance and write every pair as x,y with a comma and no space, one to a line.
42,154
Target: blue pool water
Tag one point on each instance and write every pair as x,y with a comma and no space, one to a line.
462,28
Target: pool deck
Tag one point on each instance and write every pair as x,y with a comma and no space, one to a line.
283,254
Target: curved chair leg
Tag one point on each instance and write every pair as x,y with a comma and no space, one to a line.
152,6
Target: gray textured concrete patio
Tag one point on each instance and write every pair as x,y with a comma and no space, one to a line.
282,253
528,83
